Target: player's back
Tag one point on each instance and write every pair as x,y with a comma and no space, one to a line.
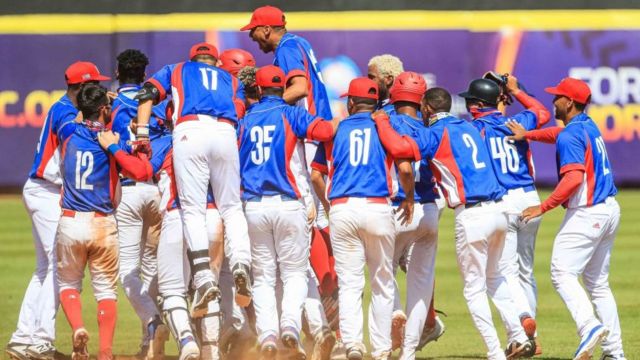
581,143
295,56
358,163
424,187
511,161
271,155
125,108
199,89
90,177
460,161
46,162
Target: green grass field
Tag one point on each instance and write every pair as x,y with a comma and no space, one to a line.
557,331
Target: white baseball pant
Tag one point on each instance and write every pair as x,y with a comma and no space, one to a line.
422,232
36,321
583,248
205,153
480,235
139,222
363,233
278,230
234,320
518,254
321,220
313,308
87,239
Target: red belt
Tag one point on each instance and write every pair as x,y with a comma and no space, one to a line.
211,206
195,117
72,213
371,200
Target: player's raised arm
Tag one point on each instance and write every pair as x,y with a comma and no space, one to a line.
135,167
529,102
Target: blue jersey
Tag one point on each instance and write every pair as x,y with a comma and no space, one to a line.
358,164
425,187
271,155
459,160
90,174
512,162
58,125
200,89
295,56
125,108
387,107
580,145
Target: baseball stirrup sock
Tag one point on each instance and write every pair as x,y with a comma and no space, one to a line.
174,309
72,307
199,261
107,317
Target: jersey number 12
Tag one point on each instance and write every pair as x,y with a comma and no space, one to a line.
83,159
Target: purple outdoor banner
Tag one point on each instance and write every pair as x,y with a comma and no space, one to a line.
32,75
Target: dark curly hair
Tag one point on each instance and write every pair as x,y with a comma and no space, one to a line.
90,98
132,64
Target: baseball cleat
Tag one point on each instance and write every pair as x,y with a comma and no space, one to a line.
243,285
204,294
355,353
159,334
612,357
43,351
516,350
529,326
397,329
79,341
538,347
589,342
431,334
189,349
17,351
269,348
291,340
323,345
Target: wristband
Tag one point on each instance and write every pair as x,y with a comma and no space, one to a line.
142,131
113,148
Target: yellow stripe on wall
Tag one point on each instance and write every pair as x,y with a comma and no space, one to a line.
346,20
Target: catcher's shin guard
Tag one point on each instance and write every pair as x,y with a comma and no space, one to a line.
209,331
176,314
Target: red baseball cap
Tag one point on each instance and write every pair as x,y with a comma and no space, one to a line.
575,89
265,15
233,60
270,76
362,87
408,86
208,50
83,71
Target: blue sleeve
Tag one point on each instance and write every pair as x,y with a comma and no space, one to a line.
121,122
290,58
527,119
64,125
571,148
300,119
162,80
321,155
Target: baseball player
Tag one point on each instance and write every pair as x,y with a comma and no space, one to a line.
271,159
422,233
583,244
461,166
35,331
138,214
362,222
208,103
87,232
514,169
383,69
233,60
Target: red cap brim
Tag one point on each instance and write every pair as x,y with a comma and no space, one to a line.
101,78
553,91
248,27
344,95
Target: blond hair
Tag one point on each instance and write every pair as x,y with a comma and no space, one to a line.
387,65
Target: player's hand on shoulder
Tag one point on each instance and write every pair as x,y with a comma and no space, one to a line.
108,138
380,115
517,129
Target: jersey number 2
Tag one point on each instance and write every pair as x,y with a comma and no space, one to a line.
603,153
83,159
468,140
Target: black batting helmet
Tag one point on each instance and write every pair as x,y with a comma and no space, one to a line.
484,90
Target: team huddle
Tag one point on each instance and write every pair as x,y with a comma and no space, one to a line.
236,211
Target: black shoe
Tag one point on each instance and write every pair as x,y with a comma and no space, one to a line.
204,294
243,284
516,350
